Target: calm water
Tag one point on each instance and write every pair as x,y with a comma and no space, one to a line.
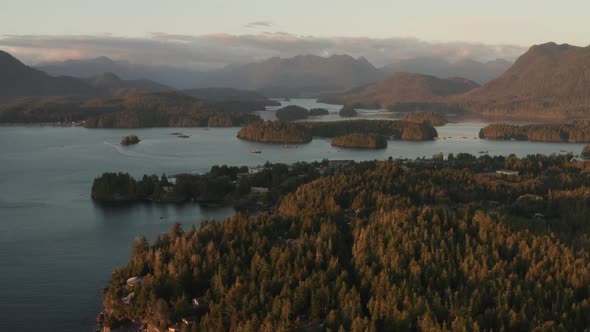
57,248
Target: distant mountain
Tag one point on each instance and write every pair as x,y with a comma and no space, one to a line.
114,86
275,77
548,81
17,79
480,72
402,89
180,78
298,76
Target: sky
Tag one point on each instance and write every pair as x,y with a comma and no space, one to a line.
504,27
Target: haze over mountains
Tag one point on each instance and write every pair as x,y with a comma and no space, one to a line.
19,80
299,75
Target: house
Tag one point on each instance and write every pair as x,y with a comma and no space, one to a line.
189,321
174,328
254,170
243,175
538,218
258,190
131,282
506,172
199,303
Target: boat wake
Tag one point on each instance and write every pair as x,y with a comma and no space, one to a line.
126,151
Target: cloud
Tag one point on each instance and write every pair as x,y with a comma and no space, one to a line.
218,50
258,24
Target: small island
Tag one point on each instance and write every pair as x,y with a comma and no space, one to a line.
129,140
292,113
576,132
430,118
348,112
318,112
360,141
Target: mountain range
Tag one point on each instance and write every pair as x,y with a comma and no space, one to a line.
19,80
549,81
302,75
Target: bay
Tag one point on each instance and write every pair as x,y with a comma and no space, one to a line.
57,248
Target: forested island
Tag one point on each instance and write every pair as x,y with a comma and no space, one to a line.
393,129
292,113
429,118
380,246
318,112
347,111
302,132
360,141
576,132
275,132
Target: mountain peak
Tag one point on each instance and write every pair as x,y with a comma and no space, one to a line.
6,59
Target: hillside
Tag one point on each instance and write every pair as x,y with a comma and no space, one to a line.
18,79
403,88
137,110
115,86
377,246
549,81
480,72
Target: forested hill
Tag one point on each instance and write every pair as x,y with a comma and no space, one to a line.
381,246
549,81
137,110
403,88
17,79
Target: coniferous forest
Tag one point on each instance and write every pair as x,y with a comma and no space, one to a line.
380,246
576,132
